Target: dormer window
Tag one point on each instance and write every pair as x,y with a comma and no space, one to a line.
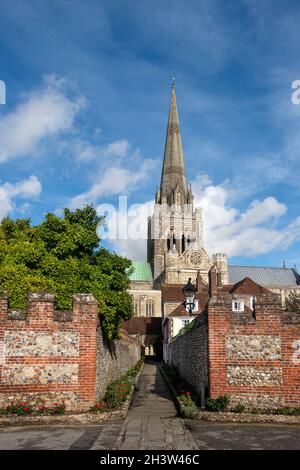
237,306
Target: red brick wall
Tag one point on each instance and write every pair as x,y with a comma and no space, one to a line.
250,359
290,342
47,360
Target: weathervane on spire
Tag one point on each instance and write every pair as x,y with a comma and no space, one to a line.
173,82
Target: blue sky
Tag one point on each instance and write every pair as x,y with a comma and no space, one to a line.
88,88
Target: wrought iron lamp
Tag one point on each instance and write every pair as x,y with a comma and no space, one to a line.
189,291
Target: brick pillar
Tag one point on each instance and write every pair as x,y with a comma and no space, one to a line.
212,277
3,304
85,317
85,307
40,307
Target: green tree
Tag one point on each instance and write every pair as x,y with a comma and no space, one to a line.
292,302
63,255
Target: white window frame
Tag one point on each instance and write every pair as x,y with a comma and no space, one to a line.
150,308
238,305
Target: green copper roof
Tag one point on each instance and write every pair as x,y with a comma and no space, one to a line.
142,271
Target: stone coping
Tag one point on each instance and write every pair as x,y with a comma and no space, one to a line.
229,417
70,419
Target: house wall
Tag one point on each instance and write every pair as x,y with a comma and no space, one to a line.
189,353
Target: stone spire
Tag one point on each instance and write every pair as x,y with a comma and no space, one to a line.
173,177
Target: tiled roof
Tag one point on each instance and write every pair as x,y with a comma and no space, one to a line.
248,286
180,311
141,271
174,293
262,275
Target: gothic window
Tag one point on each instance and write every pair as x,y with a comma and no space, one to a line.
149,308
169,243
183,244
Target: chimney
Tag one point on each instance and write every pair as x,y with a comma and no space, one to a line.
212,275
219,279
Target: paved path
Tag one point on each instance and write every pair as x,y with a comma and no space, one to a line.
151,422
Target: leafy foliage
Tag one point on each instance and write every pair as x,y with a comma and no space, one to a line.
292,302
62,255
239,408
217,404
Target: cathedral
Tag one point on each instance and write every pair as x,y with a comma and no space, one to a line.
175,249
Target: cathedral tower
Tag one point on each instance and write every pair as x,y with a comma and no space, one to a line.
175,229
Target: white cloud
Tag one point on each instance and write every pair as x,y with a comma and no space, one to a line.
29,188
115,181
84,150
42,113
26,188
247,233
119,148
252,232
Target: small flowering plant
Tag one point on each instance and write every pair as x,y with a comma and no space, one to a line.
99,407
19,408
186,398
55,409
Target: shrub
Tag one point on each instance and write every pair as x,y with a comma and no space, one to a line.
239,408
217,404
285,411
189,411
